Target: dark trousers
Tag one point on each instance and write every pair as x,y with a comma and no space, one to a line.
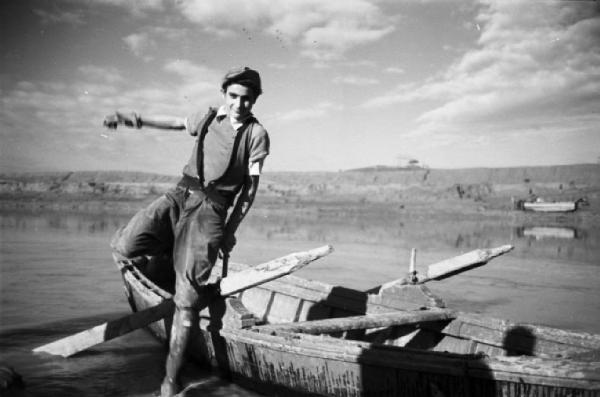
185,223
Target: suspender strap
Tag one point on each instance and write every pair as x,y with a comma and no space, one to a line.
212,112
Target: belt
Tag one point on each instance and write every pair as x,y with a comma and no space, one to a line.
193,186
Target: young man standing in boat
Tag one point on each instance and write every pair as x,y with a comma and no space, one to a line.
190,220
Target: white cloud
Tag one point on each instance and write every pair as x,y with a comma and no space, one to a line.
60,16
102,74
313,112
355,80
537,65
96,90
138,43
199,81
323,29
189,70
149,39
137,7
65,119
277,65
336,37
368,63
394,70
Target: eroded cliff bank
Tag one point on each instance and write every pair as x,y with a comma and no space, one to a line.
442,190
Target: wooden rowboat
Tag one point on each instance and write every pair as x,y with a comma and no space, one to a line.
550,206
297,337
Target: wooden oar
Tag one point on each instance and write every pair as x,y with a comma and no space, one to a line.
446,268
462,263
229,285
367,321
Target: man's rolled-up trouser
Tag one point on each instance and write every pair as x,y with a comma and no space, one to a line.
186,223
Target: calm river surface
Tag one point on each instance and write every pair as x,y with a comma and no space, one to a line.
57,277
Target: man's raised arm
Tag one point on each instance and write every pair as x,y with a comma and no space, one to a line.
134,120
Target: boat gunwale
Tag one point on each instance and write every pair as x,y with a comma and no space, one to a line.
546,371
584,340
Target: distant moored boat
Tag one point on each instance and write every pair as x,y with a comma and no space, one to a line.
549,206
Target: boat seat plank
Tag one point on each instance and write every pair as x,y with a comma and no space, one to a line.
583,339
520,339
455,345
400,335
467,346
359,322
338,297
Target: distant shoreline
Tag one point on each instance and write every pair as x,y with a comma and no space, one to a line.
468,192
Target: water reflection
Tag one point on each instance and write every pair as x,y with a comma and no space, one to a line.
548,232
431,234
63,222
560,242
456,234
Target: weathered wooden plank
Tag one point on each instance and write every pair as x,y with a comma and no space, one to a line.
144,299
233,315
229,285
314,311
448,267
271,270
461,263
455,345
351,351
283,309
534,370
358,322
142,283
356,302
583,339
340,297
521,338
290,281
562,373
405,297
106,331
257,301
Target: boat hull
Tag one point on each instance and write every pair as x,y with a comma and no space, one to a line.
321,366
239,336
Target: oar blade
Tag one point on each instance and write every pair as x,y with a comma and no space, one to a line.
231,284
83,340
462,263
272,270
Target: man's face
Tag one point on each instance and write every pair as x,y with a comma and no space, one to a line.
239,100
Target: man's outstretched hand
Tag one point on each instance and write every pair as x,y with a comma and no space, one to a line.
131,120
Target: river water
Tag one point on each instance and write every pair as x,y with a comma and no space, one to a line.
57,278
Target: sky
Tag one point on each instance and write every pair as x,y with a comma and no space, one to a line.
347,83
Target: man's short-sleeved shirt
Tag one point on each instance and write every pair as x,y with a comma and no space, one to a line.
259,141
